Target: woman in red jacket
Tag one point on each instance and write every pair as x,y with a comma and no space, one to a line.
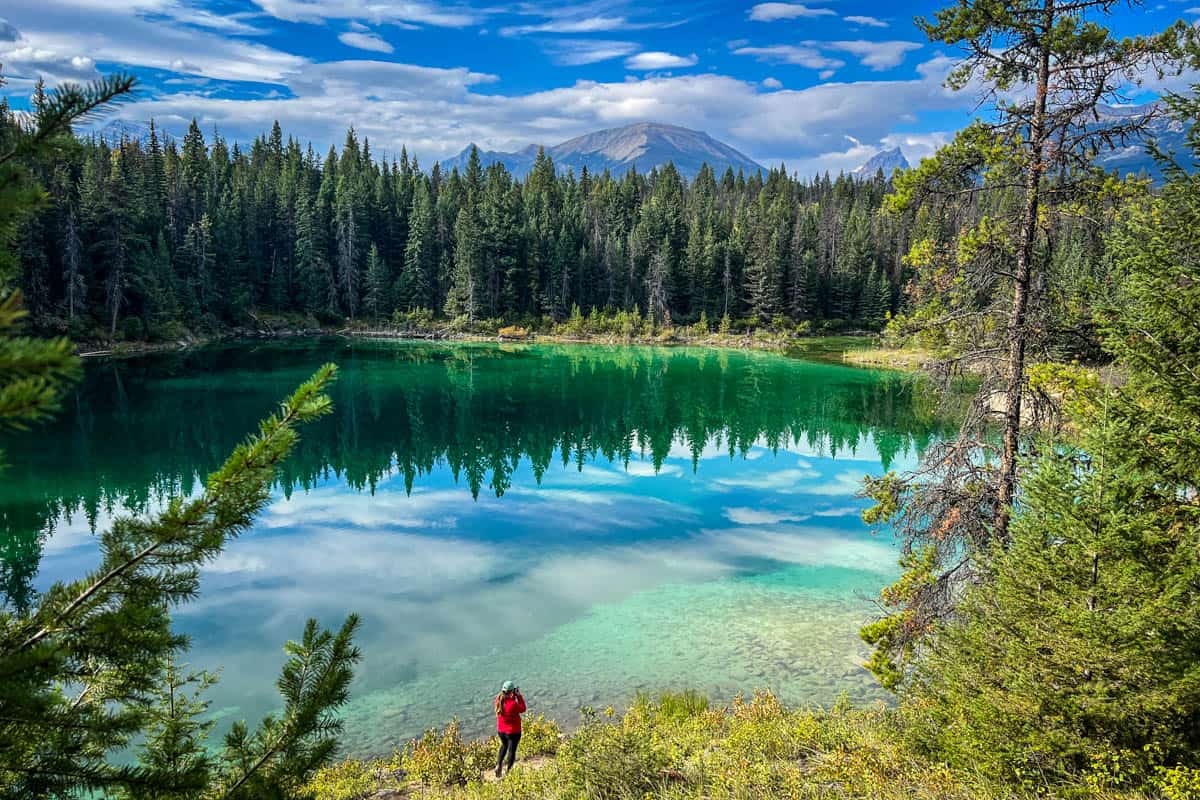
510,705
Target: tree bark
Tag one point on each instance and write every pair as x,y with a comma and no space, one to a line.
1015,379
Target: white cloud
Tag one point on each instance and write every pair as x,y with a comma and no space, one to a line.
769,12
575,52
657,59
791,54
383,80
365,41
568,20
225,23
435,111
782,480
873,22
584,25
772,83
56,31
876,55
407,11
845,484
758,516
646,469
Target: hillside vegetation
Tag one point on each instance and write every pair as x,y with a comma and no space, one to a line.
677,745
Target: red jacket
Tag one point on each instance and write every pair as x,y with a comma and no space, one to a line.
508,718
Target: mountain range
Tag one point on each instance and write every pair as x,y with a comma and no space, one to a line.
643,145
1168,133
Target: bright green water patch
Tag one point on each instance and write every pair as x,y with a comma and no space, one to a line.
588,520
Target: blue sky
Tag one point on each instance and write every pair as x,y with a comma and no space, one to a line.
819,85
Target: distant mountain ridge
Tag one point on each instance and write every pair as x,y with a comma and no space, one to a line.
1131,158
887,160
118,129
644,145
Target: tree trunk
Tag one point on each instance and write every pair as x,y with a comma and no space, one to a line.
1015,382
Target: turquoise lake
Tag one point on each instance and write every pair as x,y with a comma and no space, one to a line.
590,521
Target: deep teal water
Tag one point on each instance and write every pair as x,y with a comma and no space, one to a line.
590,521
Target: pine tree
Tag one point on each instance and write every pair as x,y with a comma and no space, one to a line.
378,296
1084,647
350,230
462,299
75,287
1047,66
176,731
415,280
656,285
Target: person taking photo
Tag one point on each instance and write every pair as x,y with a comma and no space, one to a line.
509,705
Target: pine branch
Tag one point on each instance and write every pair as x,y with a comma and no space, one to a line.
70,103
262,452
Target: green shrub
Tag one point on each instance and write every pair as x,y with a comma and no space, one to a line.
763,729
539,737
699,329
354,779
442,758
1178,783
419,319
603,761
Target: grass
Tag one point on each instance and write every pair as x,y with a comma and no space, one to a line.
678,746
901,358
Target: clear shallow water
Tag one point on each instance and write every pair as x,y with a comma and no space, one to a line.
587,520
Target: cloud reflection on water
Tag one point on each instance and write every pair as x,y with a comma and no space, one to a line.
447,585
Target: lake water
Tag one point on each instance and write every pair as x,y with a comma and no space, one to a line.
589,521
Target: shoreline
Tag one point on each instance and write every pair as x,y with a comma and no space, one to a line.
757,340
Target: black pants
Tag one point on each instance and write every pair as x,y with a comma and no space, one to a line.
508,744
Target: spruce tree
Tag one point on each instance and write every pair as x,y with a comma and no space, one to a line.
378,296
1084,647
1046,67
415,279
462,299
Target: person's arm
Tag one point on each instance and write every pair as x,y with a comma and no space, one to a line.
520,703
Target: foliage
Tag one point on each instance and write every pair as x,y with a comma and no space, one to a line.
351,779
1079,656
611,761
539,736
418,319
513,332
677,746
1007,261
442,758
89,668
